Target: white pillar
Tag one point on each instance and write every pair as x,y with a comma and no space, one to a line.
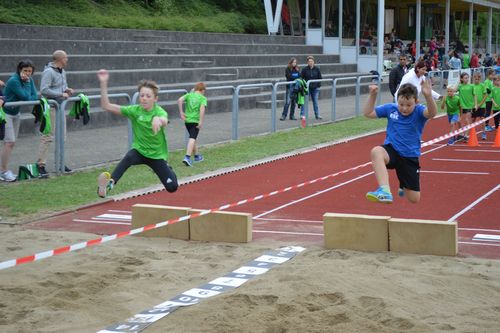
417,27
380,36
358,30
471,21
341,9
273,23
307,17
447,28
489,34
323,23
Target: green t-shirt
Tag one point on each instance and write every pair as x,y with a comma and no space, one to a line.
466,94
194,101
488,84
466,61
479,92
495,95
452,105
147,143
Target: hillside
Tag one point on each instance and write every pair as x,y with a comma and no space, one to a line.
177,15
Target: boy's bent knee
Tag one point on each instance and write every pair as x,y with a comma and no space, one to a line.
171,187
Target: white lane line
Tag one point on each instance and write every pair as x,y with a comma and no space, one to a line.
486,238
287,232
482,244
313,195
288,220
455,172
475,229
101,222
120,211
454,217
479,150
464,160
113,217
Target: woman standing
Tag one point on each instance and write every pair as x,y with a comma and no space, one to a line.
19,87
292,72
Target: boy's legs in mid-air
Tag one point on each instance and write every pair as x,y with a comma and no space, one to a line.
380,158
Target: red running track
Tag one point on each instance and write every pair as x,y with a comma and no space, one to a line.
457,182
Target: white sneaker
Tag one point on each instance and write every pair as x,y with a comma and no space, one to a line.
8,176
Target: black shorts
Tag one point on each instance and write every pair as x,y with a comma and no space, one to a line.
464,111
478,113
193,130
407,169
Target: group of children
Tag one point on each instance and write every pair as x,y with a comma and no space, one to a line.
474,101
148,121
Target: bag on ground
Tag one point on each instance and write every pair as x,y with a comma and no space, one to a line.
28,171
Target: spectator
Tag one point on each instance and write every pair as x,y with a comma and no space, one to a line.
196,103
292,72
445,67
312,72
20,87
466,58
488,60
53,85
455,62
2,84
474,60
488,84
432,45
397,73
415,77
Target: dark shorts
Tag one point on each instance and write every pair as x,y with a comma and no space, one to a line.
464,111
193,130
407,169
478,113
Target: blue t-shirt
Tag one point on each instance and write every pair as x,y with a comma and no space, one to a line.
403,132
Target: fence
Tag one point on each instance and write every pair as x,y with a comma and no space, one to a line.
264,125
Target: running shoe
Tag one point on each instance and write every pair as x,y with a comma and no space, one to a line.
488,128
451,142
379,196
104,184
8,176
483,136
187,161
42,173
401,192
198,158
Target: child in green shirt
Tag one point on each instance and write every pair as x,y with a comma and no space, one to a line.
452,104
495,98
196,103
150,145
466,95
479,101
488,83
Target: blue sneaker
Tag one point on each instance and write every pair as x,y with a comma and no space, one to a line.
187,161
483,136
451,141
379,196
401,192
488,128
198,158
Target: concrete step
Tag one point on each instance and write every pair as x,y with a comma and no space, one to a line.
221,76
8,63
47,46
22,31
197,63
268,104
174,50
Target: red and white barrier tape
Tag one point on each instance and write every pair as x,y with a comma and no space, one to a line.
97,241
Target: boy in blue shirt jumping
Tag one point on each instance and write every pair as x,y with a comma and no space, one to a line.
401,149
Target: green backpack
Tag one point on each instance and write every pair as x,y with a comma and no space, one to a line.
28,171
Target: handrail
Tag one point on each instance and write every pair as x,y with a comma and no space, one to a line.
334,94
274,102
236,107
306,99
62,119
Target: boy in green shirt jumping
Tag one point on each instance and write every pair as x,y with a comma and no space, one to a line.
196,103
150,145
452,104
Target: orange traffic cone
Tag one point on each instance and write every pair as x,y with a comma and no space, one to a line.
497,139
472,138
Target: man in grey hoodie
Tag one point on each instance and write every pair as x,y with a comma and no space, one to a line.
53,85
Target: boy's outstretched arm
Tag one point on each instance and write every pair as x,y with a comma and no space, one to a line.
180,105
431,110
103,77
369,108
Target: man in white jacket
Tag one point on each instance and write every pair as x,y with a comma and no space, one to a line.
415,76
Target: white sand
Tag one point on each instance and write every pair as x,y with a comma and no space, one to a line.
317,291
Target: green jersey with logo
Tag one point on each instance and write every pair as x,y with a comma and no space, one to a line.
479,92
466,94
495,95
194,101
466,61
147,143
452,105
